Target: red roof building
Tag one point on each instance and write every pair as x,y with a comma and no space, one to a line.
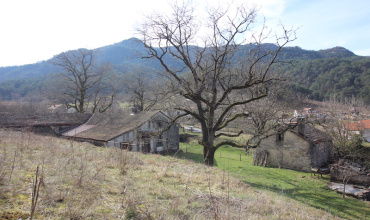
358,126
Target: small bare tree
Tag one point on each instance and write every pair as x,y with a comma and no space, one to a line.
225,63
339,126
142,89
346,174
39,178
80,84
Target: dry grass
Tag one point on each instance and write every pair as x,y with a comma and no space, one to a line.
81,181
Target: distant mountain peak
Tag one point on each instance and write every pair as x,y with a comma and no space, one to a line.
131,42
336,52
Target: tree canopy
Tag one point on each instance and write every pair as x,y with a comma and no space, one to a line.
321,78
219,84
79,83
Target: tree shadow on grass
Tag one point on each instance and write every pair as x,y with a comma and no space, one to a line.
302,187
323,199
186,137
299,186
193,157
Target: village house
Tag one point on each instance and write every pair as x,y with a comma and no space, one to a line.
309,113
300,148
360,128
147,131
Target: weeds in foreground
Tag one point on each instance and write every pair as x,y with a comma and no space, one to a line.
80,181
39,178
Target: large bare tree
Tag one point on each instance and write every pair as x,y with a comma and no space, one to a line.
214,71
81,82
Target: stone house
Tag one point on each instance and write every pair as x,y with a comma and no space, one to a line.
147,131
298,149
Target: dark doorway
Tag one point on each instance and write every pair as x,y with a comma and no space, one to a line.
146,147
125,146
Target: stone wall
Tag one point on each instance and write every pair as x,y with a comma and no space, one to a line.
169,139
322,153
173,137
293,152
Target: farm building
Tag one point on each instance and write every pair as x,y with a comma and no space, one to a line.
50,123
298,149
148,131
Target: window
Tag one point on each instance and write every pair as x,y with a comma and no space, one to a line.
279,136
159,124
160,142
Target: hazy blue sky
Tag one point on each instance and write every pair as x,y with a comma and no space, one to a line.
36,30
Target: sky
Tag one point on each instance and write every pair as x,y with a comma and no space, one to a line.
36,30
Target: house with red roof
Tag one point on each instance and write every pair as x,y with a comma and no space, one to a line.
361,127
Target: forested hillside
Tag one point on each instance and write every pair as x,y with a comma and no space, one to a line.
315,74
321,78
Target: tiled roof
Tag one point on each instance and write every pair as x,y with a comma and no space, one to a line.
107,126
366,123
45,119
354,126
313,134
78,130
358,126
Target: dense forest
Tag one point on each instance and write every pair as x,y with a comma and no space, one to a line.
19,88
319,79
314,74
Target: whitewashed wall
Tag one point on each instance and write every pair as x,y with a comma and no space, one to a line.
172,135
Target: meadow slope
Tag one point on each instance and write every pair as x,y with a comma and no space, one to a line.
80,181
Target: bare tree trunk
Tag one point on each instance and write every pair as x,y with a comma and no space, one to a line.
209,155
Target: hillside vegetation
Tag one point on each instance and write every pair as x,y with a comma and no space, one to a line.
321,78
80,181
315,74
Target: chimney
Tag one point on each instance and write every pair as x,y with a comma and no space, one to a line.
301,126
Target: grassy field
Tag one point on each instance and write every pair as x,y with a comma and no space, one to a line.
295,185
81,181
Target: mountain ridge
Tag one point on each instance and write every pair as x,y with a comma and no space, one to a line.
128,52
315,74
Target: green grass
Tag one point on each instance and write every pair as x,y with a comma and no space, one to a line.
81,181
299,186
124,104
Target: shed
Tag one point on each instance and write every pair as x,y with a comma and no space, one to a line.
54,123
